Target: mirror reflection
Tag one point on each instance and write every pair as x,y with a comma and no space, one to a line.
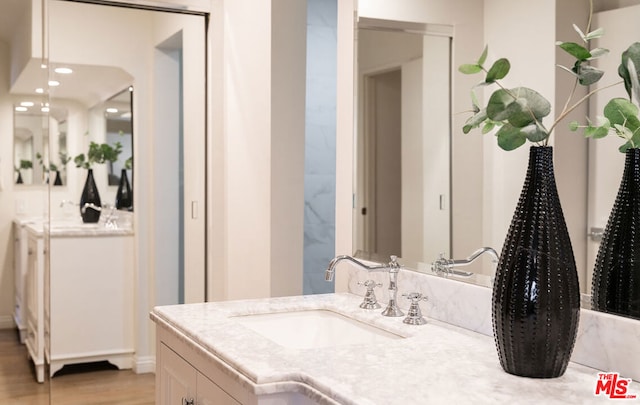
27,127
403,182
488,195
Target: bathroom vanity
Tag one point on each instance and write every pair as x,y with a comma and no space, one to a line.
81,309
244,352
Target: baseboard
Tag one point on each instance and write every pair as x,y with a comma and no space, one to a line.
6,322
146,364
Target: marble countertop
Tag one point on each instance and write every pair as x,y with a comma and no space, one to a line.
434,363
74,229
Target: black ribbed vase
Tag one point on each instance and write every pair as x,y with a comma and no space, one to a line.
615,286
124,196
90,195
536,297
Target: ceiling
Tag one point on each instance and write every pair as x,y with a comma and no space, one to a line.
88,84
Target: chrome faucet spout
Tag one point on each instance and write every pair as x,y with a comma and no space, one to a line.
446,266
393,267
90,205
331,269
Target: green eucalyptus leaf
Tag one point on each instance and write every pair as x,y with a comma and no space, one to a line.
596,132
625,147
577,51
510,138
469,69
499,70
483,57
598,52
631,54
620,111
475,121
488,127
520,106
535,133
587,75
573,126
635,80
623,131
597,33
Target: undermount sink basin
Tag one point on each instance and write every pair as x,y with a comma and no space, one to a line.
314,329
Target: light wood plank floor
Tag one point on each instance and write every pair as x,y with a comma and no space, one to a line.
18,385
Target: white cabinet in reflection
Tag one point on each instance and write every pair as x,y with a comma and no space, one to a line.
85,306
34,302
20,259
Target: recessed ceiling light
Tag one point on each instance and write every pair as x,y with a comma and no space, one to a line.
43,66
27,103
54,83
63,70
39,90
44,109
22,109
112,110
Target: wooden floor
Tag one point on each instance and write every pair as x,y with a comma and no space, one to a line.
18,385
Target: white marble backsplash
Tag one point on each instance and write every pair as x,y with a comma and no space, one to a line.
605,342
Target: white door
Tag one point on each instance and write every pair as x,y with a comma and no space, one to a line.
606,163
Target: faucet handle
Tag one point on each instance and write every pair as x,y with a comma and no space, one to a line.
370,301
414,316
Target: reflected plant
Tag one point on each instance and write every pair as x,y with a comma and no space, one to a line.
98,154
24,164
518,112
621,114
128,164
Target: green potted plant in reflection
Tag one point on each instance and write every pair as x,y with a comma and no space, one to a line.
24,165
613,287
47,170
536,296
64,159
90,203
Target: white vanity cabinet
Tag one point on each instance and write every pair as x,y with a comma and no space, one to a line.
80,307
182,383
33,309
20,253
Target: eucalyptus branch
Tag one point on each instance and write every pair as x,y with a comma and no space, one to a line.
568,111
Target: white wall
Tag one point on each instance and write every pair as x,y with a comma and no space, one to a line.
256,198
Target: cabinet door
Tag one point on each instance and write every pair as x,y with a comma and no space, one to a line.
211,394
177,379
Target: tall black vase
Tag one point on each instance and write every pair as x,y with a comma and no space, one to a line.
90,195
536,297
124,196
58,180
615,286
19,179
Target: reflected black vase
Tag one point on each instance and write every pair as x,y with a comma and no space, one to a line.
90,195
58,180
19,180
615,286
536,297
124,196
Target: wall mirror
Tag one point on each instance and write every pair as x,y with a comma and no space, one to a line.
27,141
162,53
403,140
119,130
154,87
584,246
